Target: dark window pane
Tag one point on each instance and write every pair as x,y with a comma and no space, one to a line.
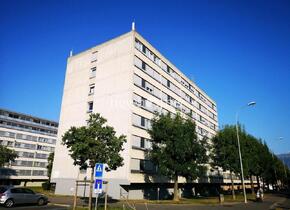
143,83
28,191
143,65
142,142
142,121
16,190
2,189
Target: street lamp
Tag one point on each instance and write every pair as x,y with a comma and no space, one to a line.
239,147
281,138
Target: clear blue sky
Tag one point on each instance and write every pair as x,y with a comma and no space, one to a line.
237,51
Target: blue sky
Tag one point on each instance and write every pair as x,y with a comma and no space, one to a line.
236,51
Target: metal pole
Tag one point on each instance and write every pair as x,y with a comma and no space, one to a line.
85,179
275,173
240,156
75,197
158,194
96,205
106,196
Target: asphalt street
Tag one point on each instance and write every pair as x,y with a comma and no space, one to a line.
271,203
35,207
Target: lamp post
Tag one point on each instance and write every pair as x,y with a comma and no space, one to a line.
281,138
275,173
239,147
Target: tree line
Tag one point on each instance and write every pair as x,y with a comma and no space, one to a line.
176,151
258,160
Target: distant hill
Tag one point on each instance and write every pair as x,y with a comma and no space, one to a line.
285,158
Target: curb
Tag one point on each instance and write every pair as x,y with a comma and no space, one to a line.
59,204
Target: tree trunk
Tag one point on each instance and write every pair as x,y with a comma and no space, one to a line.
233,187
91,188
263,180
258,182
252,185
176,197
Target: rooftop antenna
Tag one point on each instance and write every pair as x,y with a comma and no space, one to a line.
133,26
70,53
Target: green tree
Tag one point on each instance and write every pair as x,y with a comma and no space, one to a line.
259,161
225,151
49,165
176,149
6,155
94,143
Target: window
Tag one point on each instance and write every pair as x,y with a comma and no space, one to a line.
94,56
143,83
27,191
142,121
143,49
93,71
16,190
40,164
142,142
143,65
143,166
90,106
143,102
41,156
92,89
39,173
23,172
168,83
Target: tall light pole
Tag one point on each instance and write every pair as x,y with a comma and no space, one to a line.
281,138
239,147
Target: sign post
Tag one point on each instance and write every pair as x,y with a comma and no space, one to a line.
98,186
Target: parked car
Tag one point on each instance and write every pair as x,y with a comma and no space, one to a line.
9,196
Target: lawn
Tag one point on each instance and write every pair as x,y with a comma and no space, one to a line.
47,192
197,201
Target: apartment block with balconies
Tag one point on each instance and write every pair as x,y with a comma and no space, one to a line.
33,139
127,81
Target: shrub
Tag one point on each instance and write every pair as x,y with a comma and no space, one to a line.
46,185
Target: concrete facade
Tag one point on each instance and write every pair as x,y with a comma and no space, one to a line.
126,80
33,139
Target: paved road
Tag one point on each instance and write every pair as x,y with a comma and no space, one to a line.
34,207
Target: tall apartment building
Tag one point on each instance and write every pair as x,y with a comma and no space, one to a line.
126,80
33,139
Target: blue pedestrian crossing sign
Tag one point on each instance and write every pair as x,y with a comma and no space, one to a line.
99,170
98,186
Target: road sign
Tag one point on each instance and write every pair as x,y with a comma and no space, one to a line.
99,170
98,186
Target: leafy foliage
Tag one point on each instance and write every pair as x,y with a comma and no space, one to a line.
225,149
258,160
94,143
176,149
6,155
50,164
